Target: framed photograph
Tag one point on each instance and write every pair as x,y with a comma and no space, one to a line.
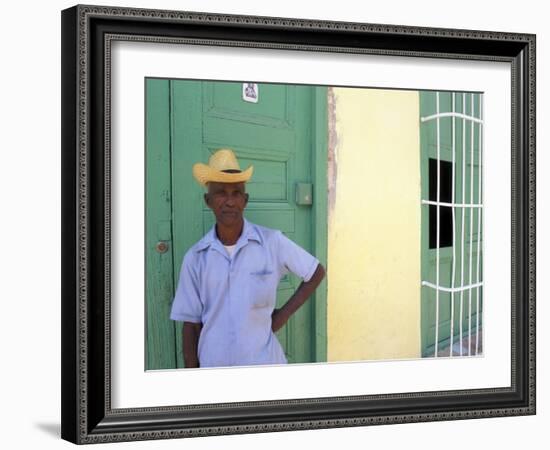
281,224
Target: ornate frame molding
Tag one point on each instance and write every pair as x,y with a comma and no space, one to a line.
86,223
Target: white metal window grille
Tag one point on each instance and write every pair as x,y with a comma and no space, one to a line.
463,121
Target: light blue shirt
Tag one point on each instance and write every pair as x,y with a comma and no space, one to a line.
234,296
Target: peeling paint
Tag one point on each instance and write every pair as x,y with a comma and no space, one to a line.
332,170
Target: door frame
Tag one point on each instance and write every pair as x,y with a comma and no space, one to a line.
320,214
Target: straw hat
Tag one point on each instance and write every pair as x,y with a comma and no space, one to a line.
222,167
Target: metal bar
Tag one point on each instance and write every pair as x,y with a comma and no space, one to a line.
462,218
471,225
453,205
450,114
454,233
478,226
437,228
456,289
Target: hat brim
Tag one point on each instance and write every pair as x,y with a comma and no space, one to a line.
205,174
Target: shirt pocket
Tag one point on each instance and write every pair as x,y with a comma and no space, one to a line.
263,288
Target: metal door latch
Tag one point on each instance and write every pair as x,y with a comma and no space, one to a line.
304,194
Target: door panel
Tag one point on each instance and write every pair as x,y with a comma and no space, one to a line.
266,135
274,108
159,284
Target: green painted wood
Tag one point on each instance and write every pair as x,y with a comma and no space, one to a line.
159,285
463,262
187,142
286,142
320,215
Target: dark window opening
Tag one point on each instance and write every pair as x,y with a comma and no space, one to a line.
445,212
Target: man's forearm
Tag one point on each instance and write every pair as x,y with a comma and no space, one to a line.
304,291
190,335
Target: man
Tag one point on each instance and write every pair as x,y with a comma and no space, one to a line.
228,280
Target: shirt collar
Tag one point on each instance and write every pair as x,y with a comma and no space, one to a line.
249,233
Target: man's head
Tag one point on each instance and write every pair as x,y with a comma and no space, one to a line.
225,182
227,201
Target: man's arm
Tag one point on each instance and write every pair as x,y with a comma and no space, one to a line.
306,288
190,336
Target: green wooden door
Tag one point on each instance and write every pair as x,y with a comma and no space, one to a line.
282,135
460,236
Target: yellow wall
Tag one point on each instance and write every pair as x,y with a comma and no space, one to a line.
374,225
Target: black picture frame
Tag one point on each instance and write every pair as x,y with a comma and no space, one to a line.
87,416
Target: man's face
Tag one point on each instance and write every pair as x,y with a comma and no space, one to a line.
227,201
